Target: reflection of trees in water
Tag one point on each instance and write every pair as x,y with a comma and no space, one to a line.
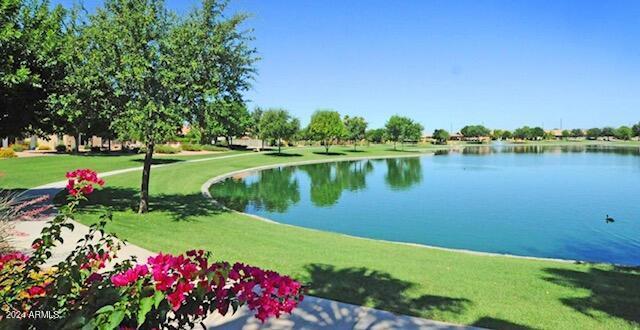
329,180
403,173
274,191
539,149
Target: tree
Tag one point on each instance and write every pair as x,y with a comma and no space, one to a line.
576,133
476,131
523,133
623,133
608,132
566,134
506,135
216,65
441,136
594,133
31,41
496,134
355,128
375,135
277,124
401,129
636,129
326,126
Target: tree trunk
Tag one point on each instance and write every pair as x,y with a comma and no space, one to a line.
355,144
279,144
326,147
395,143
78,137
146,174
109,145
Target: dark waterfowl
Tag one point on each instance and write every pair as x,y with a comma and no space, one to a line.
609,219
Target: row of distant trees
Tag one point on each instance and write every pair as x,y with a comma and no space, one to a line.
328,127
538,133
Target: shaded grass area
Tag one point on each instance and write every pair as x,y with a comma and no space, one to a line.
495,292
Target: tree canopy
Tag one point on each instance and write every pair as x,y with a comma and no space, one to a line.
475,131
277,124
355,128
441,136
402,129
326,126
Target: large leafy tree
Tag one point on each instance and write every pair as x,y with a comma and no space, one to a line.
402,129
475,131
129,49
216,67
31,42
326,126
375,135
355,128
624,133
277,124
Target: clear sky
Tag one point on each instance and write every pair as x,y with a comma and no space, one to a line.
448,63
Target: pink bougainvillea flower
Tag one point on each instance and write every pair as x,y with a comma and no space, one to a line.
82,181
129,276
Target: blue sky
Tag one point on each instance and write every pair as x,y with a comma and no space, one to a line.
448,63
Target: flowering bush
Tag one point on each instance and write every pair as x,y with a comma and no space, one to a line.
167,291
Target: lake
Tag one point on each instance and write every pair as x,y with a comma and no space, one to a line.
521,200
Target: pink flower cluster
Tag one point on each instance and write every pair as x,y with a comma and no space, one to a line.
82,181
129,276
11,257
265,292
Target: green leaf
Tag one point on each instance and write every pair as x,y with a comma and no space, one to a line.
157,298
105,309
114,319
145,307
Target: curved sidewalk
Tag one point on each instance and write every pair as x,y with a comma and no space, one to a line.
312,313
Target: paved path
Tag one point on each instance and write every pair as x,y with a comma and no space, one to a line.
312,313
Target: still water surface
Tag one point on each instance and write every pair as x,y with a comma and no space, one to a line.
524,200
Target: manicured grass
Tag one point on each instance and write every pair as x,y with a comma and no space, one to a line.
497,292
21,173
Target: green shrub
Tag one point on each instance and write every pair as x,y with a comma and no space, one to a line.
61,148
191,147
43,147
7,153
209,147
18,147
166,149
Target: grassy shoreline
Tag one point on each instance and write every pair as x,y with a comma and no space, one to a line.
489,291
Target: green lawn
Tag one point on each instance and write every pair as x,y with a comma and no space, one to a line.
498,292
20,173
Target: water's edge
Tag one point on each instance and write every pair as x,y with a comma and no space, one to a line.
205,190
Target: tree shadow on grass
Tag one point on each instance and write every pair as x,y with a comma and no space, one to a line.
330,153
354,151
283,154
362,286
179,207
159,161
499,324
401,150
614,291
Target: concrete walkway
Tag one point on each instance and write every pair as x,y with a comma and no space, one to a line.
312,313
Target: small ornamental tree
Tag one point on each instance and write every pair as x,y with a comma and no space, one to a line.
401,129
277,124
165,292
326,126
355,128
441,136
